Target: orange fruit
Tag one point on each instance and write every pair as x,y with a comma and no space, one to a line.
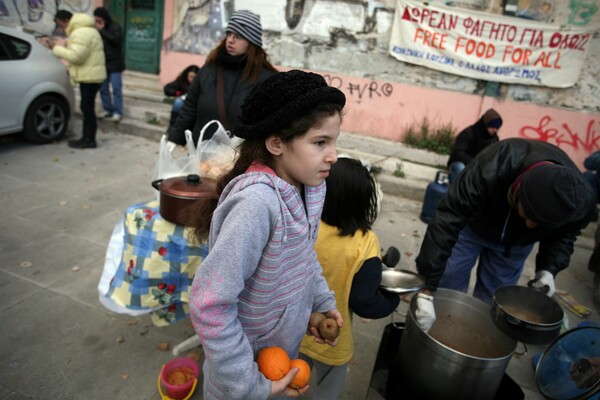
303,376
273,362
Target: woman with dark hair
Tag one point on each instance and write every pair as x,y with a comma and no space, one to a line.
231,70
179,88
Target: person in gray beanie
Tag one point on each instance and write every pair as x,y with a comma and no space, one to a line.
511,195
230,72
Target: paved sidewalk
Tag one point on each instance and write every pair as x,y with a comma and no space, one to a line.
58,207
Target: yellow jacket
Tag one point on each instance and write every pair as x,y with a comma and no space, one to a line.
84,51
341,257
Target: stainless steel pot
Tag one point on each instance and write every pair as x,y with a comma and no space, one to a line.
178,193
526,314
464,355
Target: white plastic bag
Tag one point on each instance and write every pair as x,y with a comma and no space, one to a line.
217,154
177,162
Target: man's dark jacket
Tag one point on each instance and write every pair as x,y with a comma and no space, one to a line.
201,106
473,139
112,37
479,199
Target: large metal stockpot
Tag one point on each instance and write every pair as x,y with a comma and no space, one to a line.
463,356
178,193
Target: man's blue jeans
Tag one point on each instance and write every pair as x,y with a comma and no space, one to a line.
495,268
115,80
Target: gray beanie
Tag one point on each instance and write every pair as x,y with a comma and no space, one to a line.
246,24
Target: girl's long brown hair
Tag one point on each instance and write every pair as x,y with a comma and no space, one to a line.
199,215
256,60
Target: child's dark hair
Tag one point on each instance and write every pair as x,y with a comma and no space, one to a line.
253,150
63,15
351,199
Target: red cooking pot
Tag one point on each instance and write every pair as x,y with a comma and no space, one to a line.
178,193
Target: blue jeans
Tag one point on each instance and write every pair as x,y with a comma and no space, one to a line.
176,109
178,104
495,268
454,169
114,79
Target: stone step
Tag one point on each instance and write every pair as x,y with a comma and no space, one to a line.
139,81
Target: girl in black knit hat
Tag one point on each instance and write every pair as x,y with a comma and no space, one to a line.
261,279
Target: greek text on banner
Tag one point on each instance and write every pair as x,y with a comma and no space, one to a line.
487,46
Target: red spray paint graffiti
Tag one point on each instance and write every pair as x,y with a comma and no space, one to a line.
563,136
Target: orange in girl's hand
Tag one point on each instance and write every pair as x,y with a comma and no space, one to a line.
273,362
303,376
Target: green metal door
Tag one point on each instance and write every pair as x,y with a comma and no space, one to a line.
117,10
143,35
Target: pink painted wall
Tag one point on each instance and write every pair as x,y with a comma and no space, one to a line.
385,109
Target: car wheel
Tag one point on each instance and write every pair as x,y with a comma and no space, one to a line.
47,120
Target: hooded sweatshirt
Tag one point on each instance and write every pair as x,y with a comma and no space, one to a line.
474,138
84,51
259,282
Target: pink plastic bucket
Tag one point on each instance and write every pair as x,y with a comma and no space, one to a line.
178,392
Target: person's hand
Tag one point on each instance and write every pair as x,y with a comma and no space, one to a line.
337,316
544,282
425,314
280,388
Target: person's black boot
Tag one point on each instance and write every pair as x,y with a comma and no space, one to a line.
83,143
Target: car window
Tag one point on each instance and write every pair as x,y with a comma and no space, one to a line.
12,48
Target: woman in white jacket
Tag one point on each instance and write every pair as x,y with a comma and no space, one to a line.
85,53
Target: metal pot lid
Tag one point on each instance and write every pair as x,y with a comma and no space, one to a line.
569,368
401,281
189,186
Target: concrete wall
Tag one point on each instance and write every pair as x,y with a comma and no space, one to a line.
38,15
347,42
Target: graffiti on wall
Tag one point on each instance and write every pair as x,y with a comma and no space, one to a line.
581,12
539,10
360,91
199,26
563,136
38,15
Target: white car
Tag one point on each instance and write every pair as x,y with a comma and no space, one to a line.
36,98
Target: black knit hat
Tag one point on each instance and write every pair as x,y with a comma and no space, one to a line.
553,195
275,103
246,24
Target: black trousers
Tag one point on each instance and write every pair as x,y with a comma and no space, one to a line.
87,105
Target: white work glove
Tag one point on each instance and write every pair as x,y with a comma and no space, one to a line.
425,313
544,281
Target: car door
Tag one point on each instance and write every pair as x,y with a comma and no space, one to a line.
13,80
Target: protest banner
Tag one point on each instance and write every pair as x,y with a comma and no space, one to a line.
487,46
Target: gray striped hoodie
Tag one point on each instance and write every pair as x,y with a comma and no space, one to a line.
259,282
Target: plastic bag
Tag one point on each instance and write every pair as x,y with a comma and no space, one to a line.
217,154
177,162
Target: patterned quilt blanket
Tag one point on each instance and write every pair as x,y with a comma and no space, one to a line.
150,265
